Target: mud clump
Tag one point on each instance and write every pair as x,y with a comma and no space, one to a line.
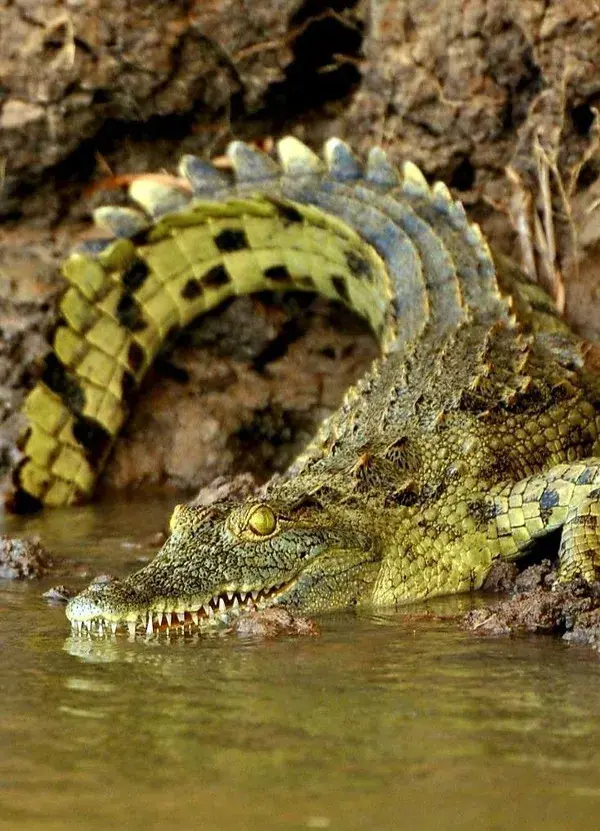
23,558
59,595
538,604
273,623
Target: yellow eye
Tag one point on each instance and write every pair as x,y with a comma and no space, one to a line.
262,521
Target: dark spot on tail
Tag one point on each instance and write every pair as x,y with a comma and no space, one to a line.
57,379
192,289
339,284
129,313
93,437
359,267
135,356
21,502
279,273
231,239
216,277
289,214
141,238
307,281
23,439
135,276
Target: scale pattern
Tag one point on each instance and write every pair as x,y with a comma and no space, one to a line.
476,433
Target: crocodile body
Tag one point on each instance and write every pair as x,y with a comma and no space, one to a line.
476,433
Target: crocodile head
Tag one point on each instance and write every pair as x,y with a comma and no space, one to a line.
231,557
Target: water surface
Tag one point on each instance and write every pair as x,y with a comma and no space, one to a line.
378,723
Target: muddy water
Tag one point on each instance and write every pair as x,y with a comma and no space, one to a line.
377,724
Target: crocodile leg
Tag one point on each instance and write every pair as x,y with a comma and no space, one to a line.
566,496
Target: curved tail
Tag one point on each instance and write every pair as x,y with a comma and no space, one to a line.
193,244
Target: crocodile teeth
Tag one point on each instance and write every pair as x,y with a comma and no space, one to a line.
180,617
236,603
169,618
255,594
243,596
230,595
149,627
221,605
113,628
211,612
131,627
206,607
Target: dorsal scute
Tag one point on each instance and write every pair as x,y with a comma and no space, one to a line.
120,221
205,179
441,197
250,165
380,171
297,159
158,198
342,164
414,182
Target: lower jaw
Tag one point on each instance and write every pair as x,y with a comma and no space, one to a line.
167,623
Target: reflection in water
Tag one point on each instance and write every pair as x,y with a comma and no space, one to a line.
376,724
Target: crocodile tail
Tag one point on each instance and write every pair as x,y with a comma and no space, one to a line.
189,245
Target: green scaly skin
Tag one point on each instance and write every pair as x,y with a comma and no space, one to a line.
476,433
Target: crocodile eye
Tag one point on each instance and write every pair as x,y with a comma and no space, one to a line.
262,521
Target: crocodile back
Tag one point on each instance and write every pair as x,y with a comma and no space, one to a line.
401,254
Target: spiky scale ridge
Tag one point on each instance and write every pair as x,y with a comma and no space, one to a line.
297,159
413,181
341,162
380,171
441,196
157,198
121,222
426,289
205,179
251,165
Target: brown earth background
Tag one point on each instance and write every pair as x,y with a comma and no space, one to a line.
497,98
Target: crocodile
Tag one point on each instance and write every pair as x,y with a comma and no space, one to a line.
476,432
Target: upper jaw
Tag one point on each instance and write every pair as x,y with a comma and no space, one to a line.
104,609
